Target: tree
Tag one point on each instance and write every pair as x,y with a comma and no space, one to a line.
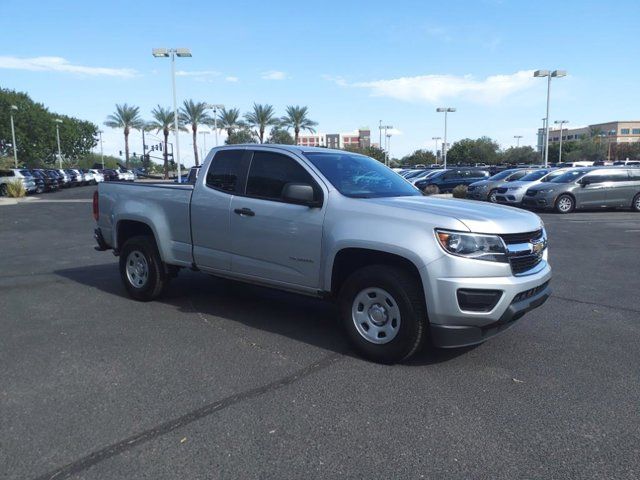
244,135
194,114
280,136
371,151
524,154
35,129
296,118
229,120
260,118
163,120
126,117
480,150
419,157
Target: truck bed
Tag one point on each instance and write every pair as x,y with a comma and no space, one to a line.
166,204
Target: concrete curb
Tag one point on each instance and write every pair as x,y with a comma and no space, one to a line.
8,201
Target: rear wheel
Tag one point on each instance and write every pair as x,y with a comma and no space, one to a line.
3,190
382,309
565,204
636,203
141,269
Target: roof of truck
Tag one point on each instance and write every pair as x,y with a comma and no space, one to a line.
289,148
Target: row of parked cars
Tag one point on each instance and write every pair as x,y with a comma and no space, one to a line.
563,188
39,180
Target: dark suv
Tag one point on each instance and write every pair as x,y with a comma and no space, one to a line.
447,180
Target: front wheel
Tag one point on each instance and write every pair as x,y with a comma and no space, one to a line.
636,203
492,196
565,204
141,269
383,310
3,190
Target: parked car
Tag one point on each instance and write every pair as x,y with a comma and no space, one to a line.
581,188
88,177
447,180
423,175
74,177
488,188
110,175
309,221
97,175
512,193
50,184
39,182
125,175
66,178
628,163
13,174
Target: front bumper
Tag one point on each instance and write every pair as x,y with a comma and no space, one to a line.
510,198
477,195
453,325
454,336
541,202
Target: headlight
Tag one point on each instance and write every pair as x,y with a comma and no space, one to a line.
473,245
547,190
513,189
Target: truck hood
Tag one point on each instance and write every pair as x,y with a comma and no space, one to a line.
478,217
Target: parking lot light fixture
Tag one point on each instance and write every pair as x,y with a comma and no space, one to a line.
215,107
561,123
13,136
436,152
58,122
445,110
549,74
100,132
172,53
517,137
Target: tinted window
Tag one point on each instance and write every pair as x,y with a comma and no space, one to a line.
224,170
569,177
359,176
501,175
530,177
270,172
452,175
517,175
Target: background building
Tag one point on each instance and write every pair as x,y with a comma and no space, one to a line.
360,138
615,132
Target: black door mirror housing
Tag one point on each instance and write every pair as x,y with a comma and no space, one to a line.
300,194
584,182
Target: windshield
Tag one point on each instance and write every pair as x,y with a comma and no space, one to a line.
533,176
502,175
358,176
569,177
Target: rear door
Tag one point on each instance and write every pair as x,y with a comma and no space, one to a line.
449,180
274,240
619,191
210,207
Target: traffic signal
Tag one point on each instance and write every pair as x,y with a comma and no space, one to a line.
120,152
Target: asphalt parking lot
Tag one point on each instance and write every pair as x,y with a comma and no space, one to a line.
222,380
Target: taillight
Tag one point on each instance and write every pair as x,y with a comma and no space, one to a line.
96,206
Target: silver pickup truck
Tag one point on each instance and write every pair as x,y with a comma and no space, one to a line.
404,268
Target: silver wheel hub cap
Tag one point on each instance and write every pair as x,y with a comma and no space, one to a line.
376,315
137,269
564,204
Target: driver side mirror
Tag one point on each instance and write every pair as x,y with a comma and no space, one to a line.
300,194
584,182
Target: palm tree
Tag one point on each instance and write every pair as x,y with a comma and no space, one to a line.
229,120
126,117
163,120
260,118
297,119
194,114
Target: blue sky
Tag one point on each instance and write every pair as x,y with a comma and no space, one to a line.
351,63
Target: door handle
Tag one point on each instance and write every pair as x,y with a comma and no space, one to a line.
247,212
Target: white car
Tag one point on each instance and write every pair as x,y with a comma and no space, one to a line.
13,174
98,177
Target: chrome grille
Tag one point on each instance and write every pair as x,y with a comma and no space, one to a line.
522,252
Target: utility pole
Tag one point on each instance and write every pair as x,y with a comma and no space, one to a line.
13,137
101,149
436,152
58,122
445,110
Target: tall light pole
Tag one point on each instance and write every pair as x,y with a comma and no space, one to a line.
101,149
204,141
385,128
215,107
173,53
436,152
388,137
13,136
58,122
561,123
549,74
445,110
517,137
380,132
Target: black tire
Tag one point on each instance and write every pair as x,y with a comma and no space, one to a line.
492,195
156,277
3,190
406,291
565,204
635,205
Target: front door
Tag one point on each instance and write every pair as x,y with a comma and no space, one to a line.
591,195
274,240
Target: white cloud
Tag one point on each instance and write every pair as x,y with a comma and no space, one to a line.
197,73
436,88
59,64
274,75
232,79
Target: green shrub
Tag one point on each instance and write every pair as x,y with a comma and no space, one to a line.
15,189
431,190
460,191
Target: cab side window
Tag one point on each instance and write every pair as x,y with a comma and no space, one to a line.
270,172
225,169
